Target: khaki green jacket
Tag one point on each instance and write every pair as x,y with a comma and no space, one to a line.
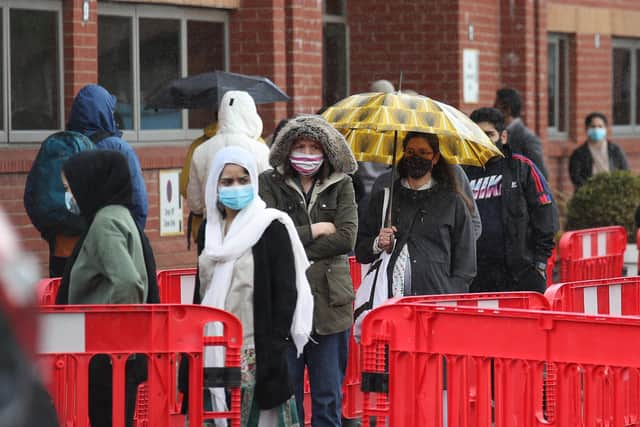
110,267
331,201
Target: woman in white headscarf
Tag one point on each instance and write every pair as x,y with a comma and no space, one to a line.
253,265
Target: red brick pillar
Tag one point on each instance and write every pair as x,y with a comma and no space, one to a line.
80,43
304,55
258,47
523,57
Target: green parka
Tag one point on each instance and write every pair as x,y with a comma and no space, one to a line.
332,200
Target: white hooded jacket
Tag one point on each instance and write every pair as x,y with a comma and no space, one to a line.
239,125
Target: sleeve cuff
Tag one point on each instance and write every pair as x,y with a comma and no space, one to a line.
376,249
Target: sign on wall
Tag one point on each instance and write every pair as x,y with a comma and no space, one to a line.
470,75
170,203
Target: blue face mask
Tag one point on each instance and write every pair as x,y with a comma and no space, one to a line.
71,204
237,197
597,134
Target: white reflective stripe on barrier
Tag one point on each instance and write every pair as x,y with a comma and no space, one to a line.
615,300
586,246
187,287
488,303
590,300
62,333
447,303
602,244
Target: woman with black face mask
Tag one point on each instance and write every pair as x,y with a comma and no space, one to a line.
430,238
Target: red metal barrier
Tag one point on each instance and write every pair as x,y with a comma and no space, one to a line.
594,253
177,286
48,290
405,345
72,335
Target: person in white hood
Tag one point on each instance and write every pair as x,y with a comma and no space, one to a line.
239,125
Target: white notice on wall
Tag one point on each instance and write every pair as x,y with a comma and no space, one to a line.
470,75
170,203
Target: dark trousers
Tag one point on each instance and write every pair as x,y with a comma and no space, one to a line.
495,277
326,359
101,389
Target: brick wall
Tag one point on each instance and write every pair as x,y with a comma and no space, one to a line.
257,46
304,55
419,39
80,48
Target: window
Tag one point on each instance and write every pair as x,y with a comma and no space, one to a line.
141,48
335,79
625,91
31,73
558,85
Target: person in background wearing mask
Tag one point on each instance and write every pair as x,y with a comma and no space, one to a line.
309,181
597,154
253,265
431,241
521,139
518,217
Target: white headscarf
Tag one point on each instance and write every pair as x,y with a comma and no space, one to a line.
243,233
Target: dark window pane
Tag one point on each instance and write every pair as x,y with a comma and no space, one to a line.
621,86
334,7
205,52
35,89
115,72
159,63
551,83
562,85
335,76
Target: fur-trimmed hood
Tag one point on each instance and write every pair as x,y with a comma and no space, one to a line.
318,129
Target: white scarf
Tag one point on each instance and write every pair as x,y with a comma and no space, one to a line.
244,232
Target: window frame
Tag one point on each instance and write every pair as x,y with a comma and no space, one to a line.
339,19
633,45
552,131
8,136
137,11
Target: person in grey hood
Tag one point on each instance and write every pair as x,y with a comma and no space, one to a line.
431,241
310,182
92,114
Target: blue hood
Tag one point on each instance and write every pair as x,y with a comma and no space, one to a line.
92,112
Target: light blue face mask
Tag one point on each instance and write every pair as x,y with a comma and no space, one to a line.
71,204
237,197
597,134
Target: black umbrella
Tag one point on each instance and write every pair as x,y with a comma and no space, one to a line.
205,90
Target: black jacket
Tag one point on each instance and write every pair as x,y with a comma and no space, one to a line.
581,162
436,225
529,216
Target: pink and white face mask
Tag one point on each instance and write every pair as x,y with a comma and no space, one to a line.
306,164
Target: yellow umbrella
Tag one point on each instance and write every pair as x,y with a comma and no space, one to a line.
373,122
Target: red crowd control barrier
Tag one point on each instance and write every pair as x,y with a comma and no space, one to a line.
351,392
594,253
616,297
496,364
48,290
72,335
177,286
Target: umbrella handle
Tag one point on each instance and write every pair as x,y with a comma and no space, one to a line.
393,174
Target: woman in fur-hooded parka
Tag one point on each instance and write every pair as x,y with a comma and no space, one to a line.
326,199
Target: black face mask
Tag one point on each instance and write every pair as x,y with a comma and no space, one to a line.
414,167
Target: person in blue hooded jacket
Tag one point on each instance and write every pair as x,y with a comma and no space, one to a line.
92,114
